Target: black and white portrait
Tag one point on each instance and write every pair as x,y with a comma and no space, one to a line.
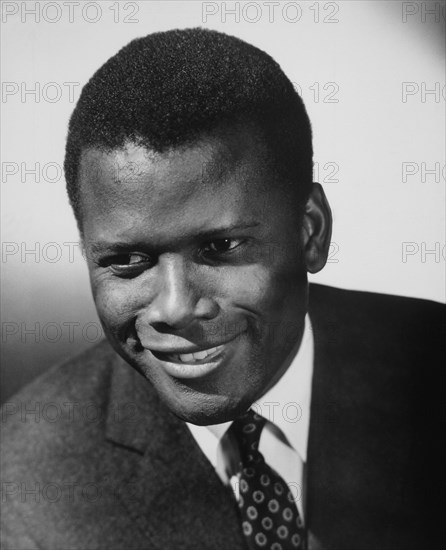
223,275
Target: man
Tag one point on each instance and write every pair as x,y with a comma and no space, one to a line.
189,169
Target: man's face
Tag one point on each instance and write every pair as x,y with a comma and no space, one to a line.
196,269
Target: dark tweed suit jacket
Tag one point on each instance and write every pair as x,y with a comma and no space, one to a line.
103,464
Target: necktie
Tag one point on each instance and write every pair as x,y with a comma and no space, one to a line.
270,519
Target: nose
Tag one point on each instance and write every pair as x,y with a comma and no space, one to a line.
180,299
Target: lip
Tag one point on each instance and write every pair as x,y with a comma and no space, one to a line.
194,356
192,368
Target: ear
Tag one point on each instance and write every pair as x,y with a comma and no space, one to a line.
316,230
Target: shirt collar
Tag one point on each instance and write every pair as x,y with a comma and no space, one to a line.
287,403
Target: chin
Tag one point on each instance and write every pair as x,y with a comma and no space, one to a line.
205,409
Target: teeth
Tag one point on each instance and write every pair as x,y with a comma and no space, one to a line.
197,356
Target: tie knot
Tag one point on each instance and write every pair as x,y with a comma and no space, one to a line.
247,429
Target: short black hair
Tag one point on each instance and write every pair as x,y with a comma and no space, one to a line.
169,88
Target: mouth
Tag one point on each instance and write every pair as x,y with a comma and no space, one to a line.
193,363
191,358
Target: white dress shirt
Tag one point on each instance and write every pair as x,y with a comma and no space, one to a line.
284,439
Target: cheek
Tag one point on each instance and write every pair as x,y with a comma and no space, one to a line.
113,303
259,288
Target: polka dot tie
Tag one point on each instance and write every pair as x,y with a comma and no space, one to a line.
270,519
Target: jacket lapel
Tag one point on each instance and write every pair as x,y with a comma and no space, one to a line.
324,438
166,484
347,464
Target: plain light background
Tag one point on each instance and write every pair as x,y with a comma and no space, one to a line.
372,75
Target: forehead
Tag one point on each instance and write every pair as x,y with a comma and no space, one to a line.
236,152
216,177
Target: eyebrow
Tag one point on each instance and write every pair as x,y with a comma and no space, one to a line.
204,234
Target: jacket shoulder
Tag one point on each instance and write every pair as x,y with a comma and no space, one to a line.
348,297
386,317
65,395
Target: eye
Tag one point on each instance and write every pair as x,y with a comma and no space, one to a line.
128,264
221,246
